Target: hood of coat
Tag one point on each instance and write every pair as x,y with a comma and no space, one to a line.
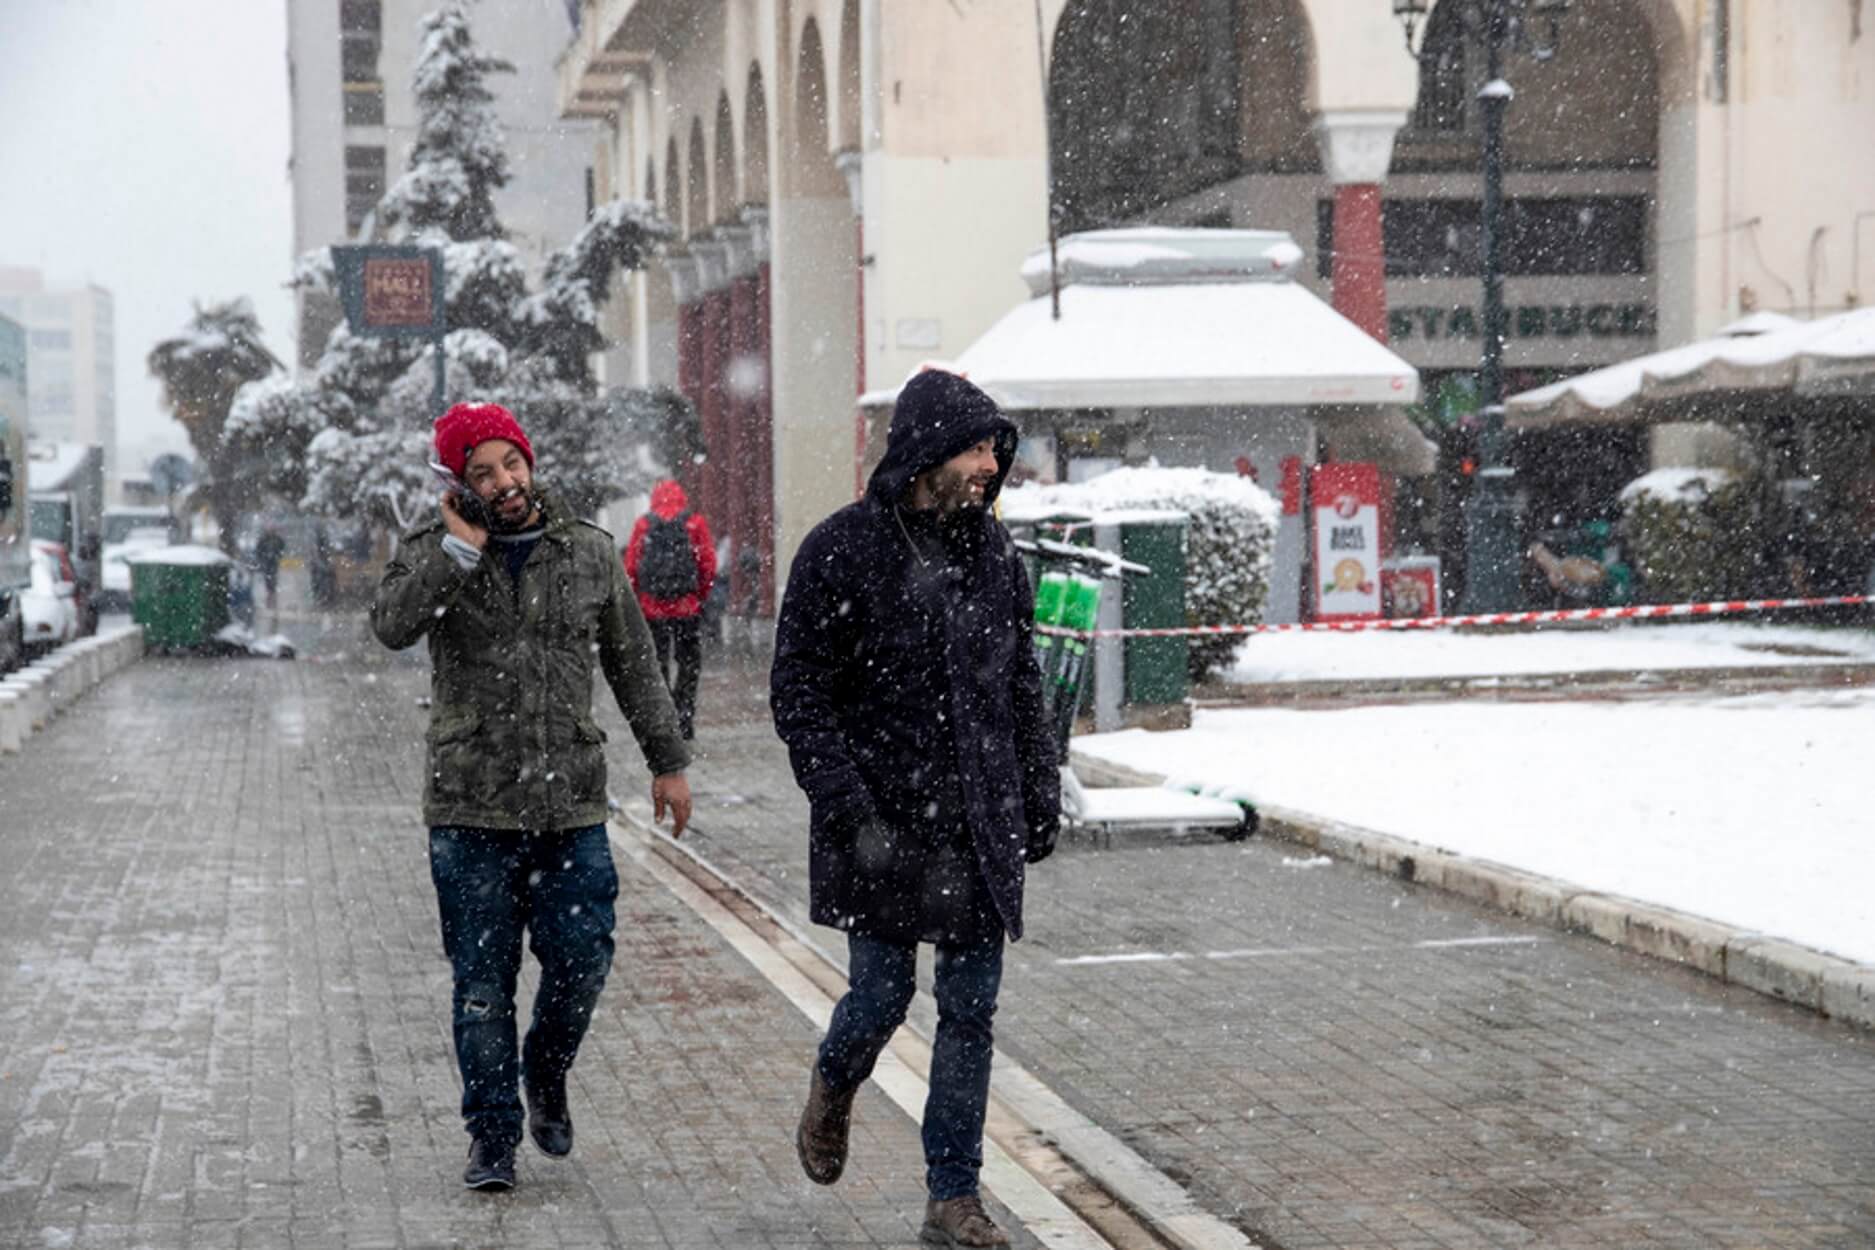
939,415
668,499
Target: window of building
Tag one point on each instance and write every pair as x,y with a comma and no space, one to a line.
364,184
364,103
1551,235
51,340
361,39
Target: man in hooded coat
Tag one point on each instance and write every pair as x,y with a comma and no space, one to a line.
906,688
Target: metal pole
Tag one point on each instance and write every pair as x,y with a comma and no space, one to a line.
1048,169
1491,563
436,388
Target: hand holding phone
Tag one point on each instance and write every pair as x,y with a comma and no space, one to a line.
464,513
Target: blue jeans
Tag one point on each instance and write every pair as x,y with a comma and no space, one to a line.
490,885
881,977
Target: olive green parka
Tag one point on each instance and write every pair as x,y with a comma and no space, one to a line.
512,740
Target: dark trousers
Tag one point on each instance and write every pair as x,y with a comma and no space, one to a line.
490,885
680,638
880,982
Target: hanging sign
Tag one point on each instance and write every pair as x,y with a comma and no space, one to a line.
391,291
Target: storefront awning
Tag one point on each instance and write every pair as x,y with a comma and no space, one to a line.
1761,355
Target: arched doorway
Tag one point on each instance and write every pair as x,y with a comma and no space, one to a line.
725,160
1152,106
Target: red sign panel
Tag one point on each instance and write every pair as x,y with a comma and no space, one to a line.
397,293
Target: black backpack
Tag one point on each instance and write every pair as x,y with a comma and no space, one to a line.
667,567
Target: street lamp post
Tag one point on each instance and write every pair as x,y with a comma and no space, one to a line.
1491,523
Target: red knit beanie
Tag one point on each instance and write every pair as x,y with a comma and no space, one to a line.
463,427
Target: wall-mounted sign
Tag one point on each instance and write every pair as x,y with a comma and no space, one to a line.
1526,321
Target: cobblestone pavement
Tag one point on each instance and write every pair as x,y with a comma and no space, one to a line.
1332,1058
224,1007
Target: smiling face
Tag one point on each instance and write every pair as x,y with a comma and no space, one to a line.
963,481
501,478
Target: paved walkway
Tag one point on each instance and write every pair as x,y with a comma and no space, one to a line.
223,1021
1333,1058
224,1008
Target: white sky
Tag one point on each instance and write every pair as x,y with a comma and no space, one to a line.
144,147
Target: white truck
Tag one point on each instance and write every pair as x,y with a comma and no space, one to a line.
68,508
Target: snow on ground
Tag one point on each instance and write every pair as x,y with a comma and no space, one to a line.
1318,656
1751,810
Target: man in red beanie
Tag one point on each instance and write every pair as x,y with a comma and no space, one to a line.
517,600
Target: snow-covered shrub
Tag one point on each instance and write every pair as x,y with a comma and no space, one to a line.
1229,543
1695,535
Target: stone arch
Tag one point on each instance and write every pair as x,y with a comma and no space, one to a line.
673,181
813,167
1149,104
697,182
1595,105
724,168
847,104
755,137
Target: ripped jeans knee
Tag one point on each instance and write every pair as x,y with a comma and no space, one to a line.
483,1002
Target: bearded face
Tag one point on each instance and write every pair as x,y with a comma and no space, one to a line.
503,480
964,480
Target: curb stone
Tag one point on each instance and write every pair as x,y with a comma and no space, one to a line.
1826,984
1825,675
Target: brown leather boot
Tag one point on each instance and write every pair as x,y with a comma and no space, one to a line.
821,1138
960,1224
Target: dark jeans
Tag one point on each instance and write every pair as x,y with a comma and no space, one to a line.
490,885
681,638
880,980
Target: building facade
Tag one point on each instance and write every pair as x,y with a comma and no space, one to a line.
354,119
858,181
71,360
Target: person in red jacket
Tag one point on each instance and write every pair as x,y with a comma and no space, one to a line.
671,561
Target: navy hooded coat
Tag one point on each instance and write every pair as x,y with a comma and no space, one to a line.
906,689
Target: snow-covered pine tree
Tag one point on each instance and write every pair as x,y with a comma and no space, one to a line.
351,439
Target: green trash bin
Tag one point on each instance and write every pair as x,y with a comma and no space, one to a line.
179,595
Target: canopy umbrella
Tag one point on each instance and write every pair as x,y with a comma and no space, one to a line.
1764,354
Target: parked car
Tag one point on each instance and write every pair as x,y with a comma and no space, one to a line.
51,608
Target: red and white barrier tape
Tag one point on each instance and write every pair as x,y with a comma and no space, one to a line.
1637,612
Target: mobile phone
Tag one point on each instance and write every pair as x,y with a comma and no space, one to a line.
469,505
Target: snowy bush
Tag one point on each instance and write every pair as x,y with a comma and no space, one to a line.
1695,535
1229,543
